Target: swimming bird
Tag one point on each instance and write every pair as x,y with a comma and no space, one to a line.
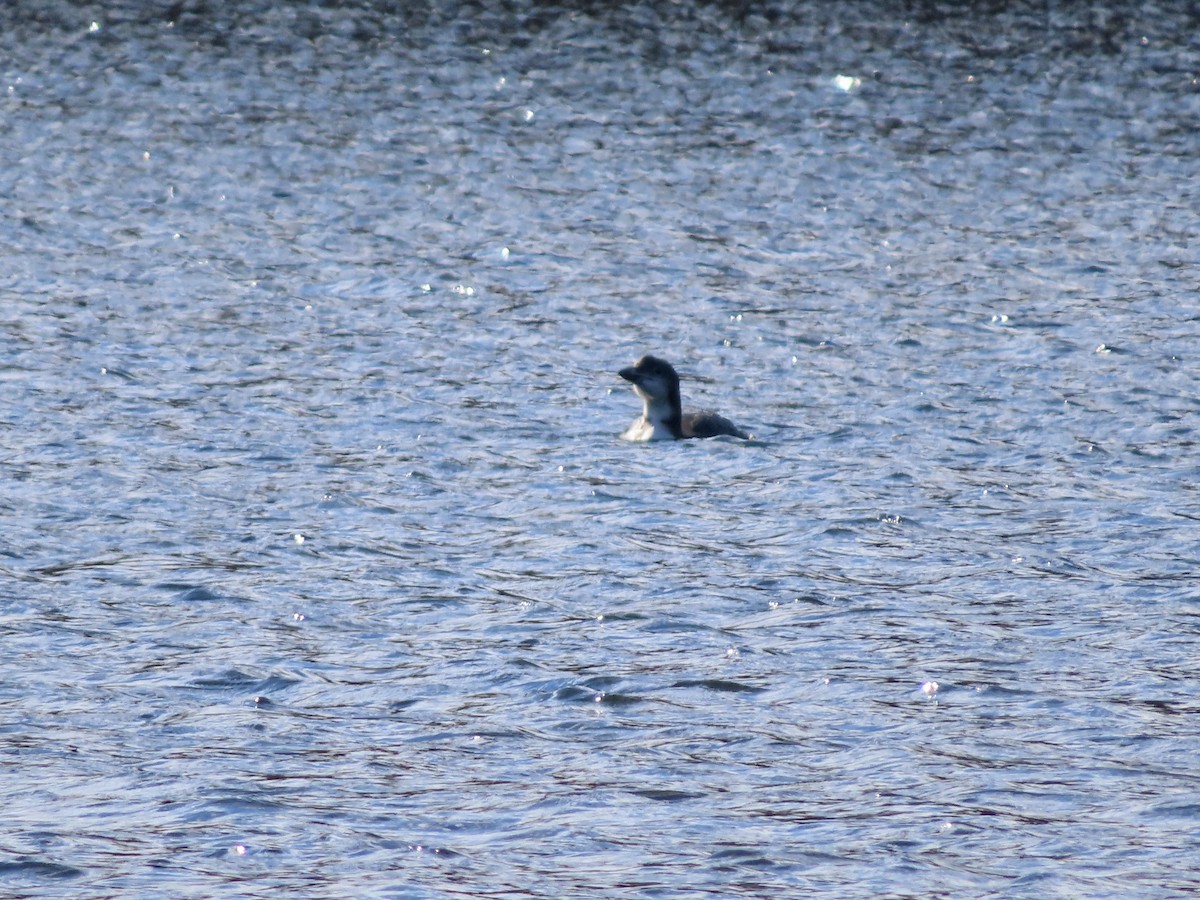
657,384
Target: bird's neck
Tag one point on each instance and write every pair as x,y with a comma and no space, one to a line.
663,414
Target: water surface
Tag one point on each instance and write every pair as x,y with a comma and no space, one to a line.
326,574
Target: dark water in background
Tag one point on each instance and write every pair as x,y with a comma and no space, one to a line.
325,575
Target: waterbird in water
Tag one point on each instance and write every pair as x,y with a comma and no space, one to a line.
655,381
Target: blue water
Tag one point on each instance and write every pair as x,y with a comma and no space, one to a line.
325,573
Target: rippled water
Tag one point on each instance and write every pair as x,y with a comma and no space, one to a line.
326,575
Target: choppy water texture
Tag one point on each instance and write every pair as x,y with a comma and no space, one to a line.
326,575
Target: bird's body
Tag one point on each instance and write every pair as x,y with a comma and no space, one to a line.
655,381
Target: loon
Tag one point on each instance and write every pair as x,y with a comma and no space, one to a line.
662,419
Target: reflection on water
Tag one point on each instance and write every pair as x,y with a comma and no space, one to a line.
327,572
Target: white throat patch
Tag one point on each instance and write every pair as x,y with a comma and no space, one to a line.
652,426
